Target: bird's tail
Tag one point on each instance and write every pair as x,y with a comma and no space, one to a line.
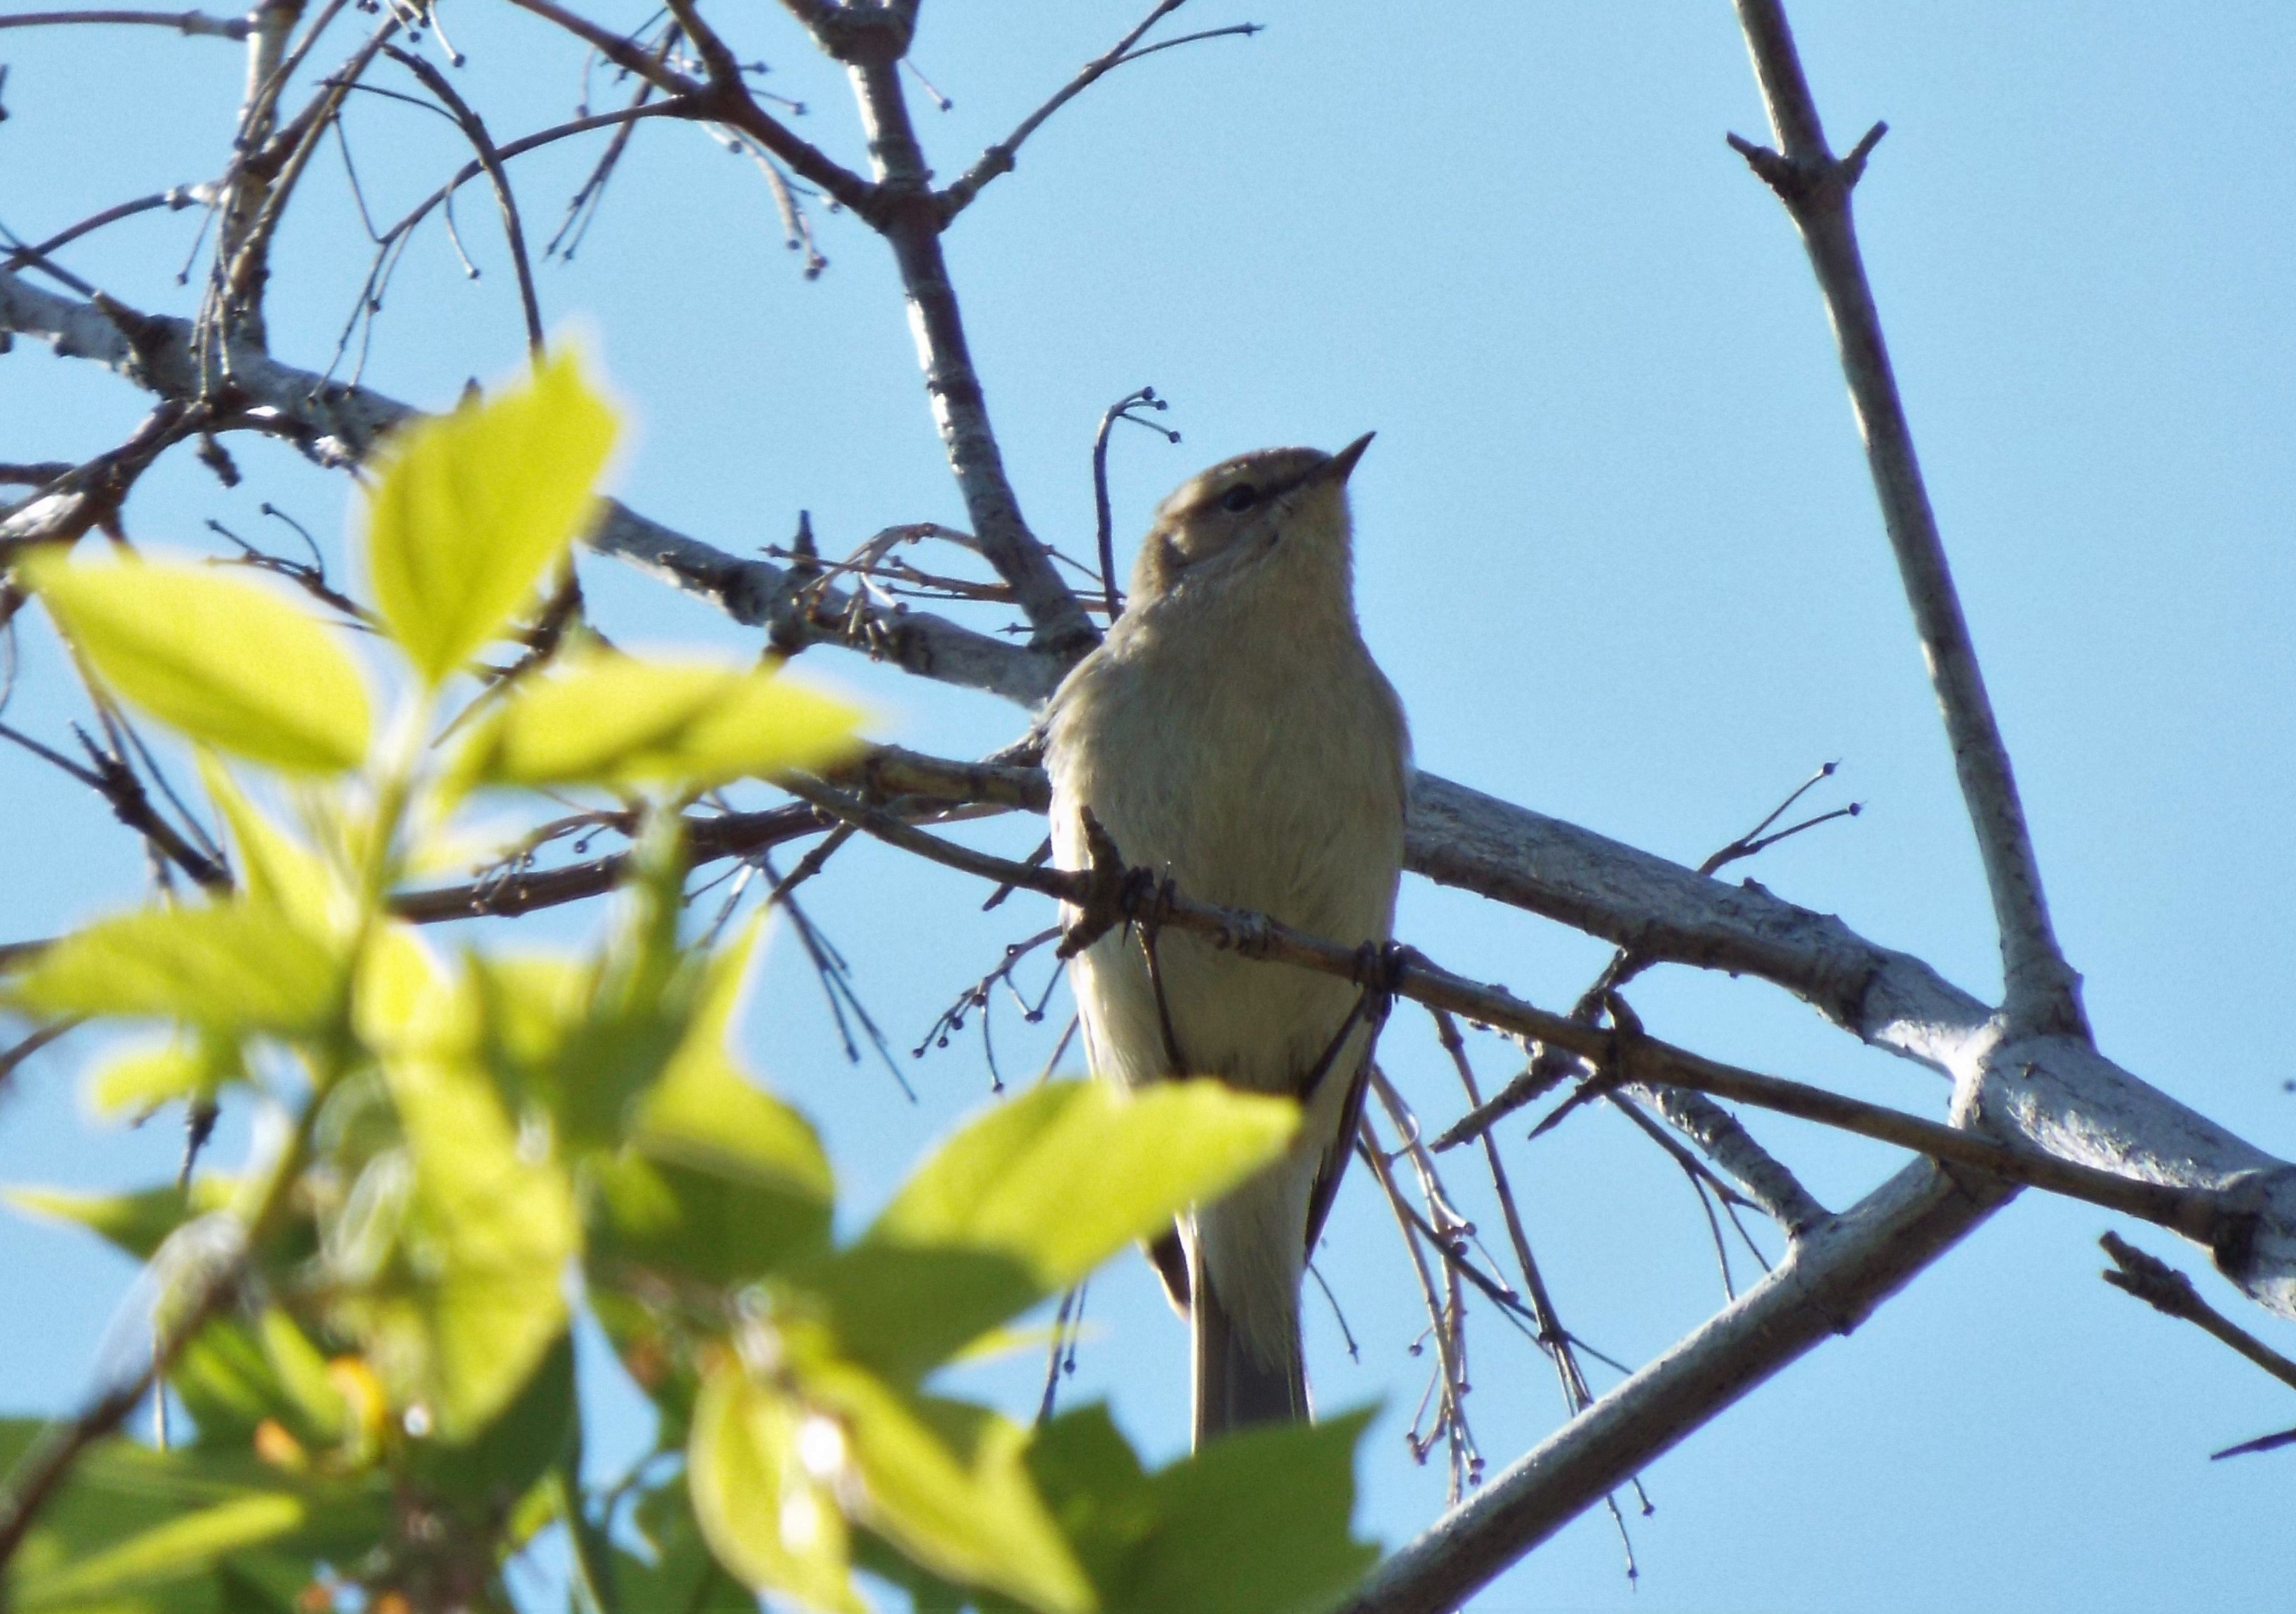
1235,1385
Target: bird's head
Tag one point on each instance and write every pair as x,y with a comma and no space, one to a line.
1275,505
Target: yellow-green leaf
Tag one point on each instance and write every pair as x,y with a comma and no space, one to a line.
947,1483
720,1181
194,1539
272,867
1063,1178
707,1114
145,1076
1027,1200
460,1322
302,1373
222,659
233,968
771,1520
1255,1522
472,506
404,1000
137,1223
616,721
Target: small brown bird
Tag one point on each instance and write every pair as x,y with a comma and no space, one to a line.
1234,732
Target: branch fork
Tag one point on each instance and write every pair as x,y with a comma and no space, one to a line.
1815,180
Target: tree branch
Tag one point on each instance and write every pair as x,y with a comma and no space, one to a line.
909,218
183,22
728,102
340,424
175,199
247,187
474,130
2164,1289
2222,1215
998,158
2042,990
1828,1284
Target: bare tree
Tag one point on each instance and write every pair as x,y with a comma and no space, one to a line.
2033,1101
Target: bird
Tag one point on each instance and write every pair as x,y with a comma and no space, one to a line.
1233,734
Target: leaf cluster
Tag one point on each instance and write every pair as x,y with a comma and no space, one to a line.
465,1150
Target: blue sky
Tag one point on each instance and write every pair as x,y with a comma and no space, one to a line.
1617,551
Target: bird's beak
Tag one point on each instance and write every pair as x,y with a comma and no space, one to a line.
1341,464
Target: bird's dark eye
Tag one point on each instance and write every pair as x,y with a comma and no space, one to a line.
1241,497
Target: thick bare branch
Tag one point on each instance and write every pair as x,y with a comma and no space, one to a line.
884,774
91,494
858,30
2225,1211
1828,1284
340,424
247,188
910,220
2042,990
1765,1179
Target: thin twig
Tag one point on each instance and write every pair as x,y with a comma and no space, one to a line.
175,198
183,22
586,202
725,100
1055,1358
999,159
1451,1377
1550,1067
474,129
13,1057
2164,1289
1120,410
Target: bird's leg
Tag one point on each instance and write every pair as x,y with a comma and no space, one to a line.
1377,964
1151,926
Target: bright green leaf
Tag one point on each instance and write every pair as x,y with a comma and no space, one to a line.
538,1430
947,1482
193,1541
472,507
1063,1177
223,660
671,1219
272,867
1092,1484
902,1312
137,1531
302,1376
612,720
225,1384
459,1322
141,1078
704,1113
1256,1522
135,1223
1027,1200
769,1517
232,968
404,1000
683,1577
